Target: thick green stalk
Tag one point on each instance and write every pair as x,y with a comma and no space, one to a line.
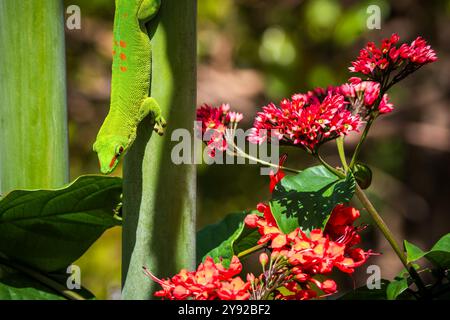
33,120
159,196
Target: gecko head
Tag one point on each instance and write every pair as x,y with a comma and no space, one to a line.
109,151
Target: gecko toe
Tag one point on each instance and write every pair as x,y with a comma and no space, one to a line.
159,129
162,122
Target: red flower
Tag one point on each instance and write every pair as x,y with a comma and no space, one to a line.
363,97
377,62
303,257
267,226
306,120
385,106
210,281
236,289
214,123
276,177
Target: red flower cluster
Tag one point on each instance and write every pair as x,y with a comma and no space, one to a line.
214,123
363,97
305,120
308,256
373,60
210,281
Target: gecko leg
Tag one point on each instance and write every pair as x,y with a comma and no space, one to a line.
150,106
148,10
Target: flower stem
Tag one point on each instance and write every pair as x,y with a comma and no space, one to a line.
251,250
341,151
361,141
273,165
381,224
378,221
391,239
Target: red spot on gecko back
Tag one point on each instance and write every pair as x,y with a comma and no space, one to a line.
123,69
123,56
114,52
123,44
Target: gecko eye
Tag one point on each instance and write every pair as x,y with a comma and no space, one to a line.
119,151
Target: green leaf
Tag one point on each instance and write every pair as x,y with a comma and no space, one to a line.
413,252
227,238
397,287
49,229
15,285
307,199
439,254
364,293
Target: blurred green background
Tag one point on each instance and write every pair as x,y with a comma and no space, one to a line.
251,52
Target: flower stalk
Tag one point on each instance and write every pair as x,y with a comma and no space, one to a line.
361,141
251,250
387,233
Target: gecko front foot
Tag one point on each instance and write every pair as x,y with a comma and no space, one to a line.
160,124
150,106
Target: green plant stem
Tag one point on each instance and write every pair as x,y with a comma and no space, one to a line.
341,151
44,280
251,250
159,196
361,141
265,163
33,114
381,224
391,239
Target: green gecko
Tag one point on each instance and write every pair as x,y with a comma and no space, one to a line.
130,85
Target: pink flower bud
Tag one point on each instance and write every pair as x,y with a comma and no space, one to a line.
354,80
263,259
329,286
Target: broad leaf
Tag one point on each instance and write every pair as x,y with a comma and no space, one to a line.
439,254
15,285
397,287
49,229
307,199
227,238
364,293
413,253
